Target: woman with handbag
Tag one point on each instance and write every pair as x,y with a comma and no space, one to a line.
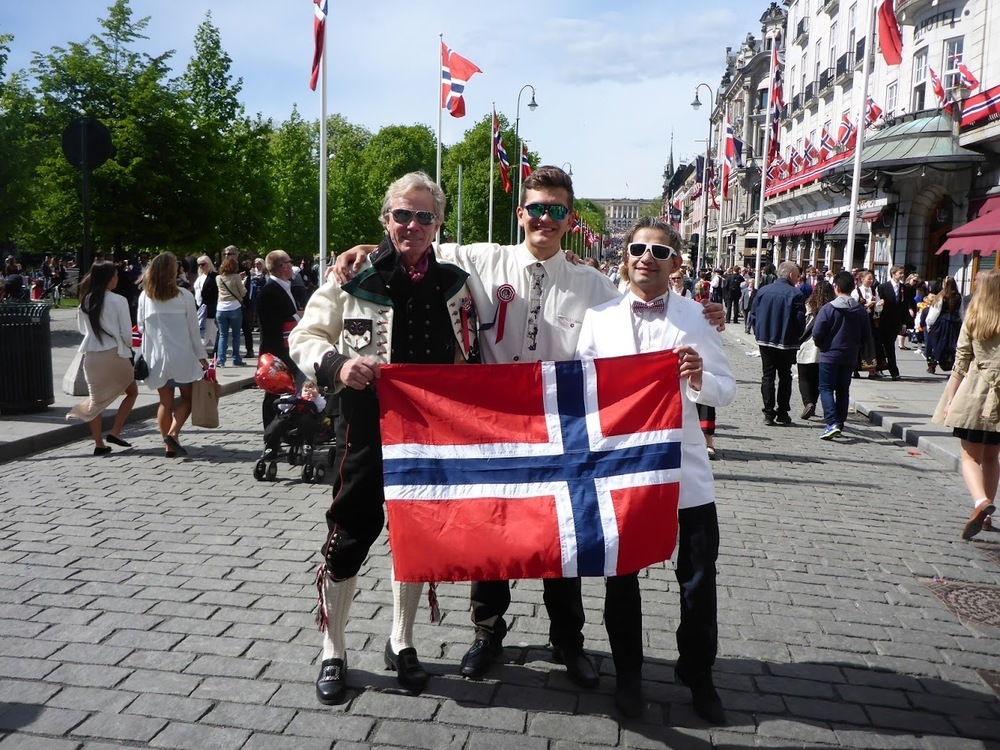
103,319
229,310
168,321
807,357
943,323
971,401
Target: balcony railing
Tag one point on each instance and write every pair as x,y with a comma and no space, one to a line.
809,95
859,52
845,66
802,31
826,79
830,7
797,104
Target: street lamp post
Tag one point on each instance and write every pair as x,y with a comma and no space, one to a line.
703,237
532,105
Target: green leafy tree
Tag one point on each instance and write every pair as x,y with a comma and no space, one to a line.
349,221
474,152
393,151
293,219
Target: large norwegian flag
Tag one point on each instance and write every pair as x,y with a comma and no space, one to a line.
826,145
730,158
846,132
500,153
455,73
889,39
965,78
938,90
872,111
537,470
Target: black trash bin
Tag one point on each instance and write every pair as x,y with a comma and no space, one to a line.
25,357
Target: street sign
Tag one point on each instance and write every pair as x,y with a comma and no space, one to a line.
86,143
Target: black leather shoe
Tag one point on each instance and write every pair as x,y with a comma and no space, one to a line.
579,668
628,695
409,671
331,684
704,698
479,658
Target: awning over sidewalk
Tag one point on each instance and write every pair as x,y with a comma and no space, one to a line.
839,230
980,235
817,226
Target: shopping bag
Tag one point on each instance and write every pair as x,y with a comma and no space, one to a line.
205,403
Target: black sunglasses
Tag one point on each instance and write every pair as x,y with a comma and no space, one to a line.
660,252
556,210
405,216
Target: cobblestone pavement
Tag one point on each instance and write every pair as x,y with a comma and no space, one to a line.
146,602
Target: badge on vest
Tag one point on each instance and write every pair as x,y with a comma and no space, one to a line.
358,333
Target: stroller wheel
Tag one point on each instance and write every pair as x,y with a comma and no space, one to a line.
272,470
260,470
320,473
307,473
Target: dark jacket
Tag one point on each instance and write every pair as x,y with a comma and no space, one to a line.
276,316
840,329
779,314
895,314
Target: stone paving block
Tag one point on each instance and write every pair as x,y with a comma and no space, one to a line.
484,740
177,708
158,660
429,736
261,741
190,626
27,648
224,666
910,721
89,653
227,646
255,717
19,741
491,718
256,692
591,729
773,727
88,675
332,725
179,736
39,719
389,706
92,699
160,682
120,727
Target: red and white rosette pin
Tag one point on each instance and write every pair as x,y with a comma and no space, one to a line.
505,294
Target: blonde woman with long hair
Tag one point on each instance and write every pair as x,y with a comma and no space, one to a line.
971,402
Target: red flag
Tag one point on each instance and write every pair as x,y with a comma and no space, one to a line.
319,35
889,39
939,89
500,153
562,469
826,145
525,166
872,111
965,78
730,158
455,72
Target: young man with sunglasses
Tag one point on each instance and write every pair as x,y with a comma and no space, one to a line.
531,302
651,317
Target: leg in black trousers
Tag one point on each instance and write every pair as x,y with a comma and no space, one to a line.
809,383
785,361
623,621
698,632
889,352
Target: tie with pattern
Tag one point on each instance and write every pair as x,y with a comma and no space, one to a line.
534,305
656,306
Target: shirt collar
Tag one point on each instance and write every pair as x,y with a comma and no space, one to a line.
525,259
633,298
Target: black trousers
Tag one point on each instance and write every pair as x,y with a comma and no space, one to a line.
776,364
563,602
698,631
887,352
732,309
809,383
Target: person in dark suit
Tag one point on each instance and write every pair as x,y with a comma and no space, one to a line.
895,310
277,314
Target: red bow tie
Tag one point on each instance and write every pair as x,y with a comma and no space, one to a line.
655,306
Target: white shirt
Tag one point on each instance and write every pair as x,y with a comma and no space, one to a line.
287,286
649,327
117,325
568,292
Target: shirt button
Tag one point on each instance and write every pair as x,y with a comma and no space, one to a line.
516,359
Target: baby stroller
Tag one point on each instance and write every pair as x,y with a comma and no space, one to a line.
306,431
304,424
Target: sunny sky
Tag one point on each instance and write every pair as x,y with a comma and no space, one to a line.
612,79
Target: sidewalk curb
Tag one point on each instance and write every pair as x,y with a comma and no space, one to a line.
918,436
70,432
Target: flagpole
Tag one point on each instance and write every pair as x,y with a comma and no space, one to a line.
763,163
720,155
323,158
493,145
437,175
852,220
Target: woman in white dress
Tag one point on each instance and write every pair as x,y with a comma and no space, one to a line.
103,319
171,345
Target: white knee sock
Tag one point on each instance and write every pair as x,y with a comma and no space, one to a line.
405,602
338,597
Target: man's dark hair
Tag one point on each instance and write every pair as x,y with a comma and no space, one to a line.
844,281
548,177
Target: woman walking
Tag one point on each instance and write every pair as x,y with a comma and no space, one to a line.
807,357
971,401
103,319
943,322
171,345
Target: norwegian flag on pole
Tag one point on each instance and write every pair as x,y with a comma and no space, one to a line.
965,78
846,131
872,111
455,73
500,153
795,160
809,153
552,469
889,39
525,166
938,89
319,36
730,158
826,145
